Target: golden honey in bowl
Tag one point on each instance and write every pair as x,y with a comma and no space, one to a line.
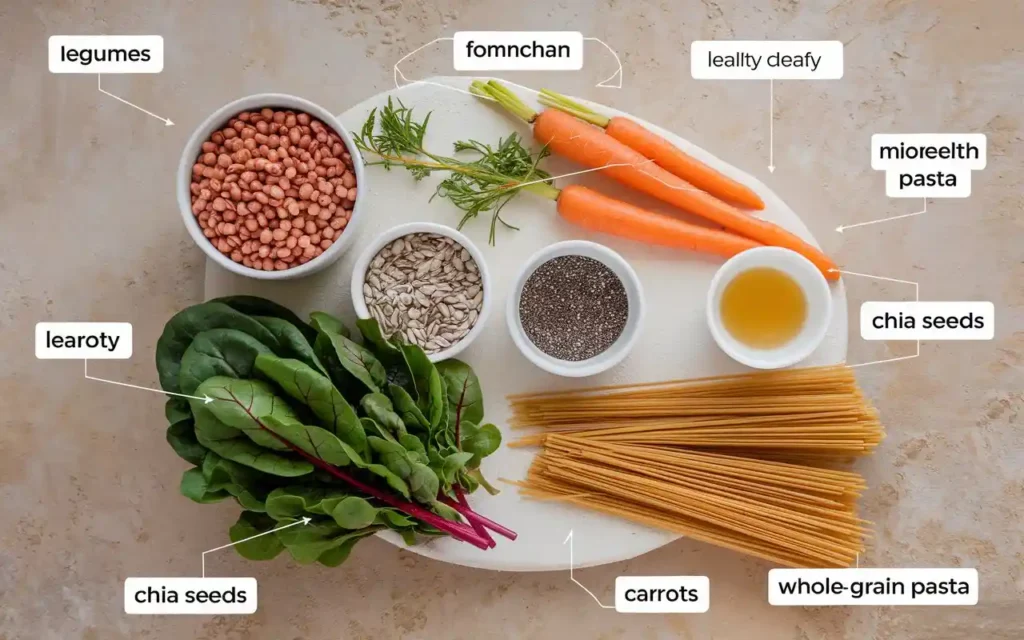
763,308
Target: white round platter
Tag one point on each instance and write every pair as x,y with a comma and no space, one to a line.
674,343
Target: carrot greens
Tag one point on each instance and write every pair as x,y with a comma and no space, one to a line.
481,180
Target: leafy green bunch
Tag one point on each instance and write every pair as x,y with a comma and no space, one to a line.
298,420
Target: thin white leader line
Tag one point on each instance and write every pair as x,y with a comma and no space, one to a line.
205,399
99,85
304,520
843,227
577,582
917,298
617,61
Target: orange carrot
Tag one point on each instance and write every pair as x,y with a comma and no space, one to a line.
590,146
655,147
597,212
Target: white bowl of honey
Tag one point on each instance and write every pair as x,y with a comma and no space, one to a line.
769,307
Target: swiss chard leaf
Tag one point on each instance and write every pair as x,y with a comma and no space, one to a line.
294,502
293,343
242,405
317,442
354,512
350,363
308,543
389,355
465,396
481,441
234,444
421,479
405,406
315,390
378,407
430,395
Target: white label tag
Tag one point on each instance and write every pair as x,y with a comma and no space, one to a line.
872,587
968,320
766,59
518,51
662,594
190,596
83,340
106,54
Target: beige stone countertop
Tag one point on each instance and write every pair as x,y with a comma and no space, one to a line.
89,230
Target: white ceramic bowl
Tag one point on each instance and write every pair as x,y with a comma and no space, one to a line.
810,281
363,263
618,350
218,120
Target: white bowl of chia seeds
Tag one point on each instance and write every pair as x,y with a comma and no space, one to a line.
426,281
576,309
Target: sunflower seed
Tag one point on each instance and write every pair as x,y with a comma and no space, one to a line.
425,286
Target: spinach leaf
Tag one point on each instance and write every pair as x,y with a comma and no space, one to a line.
256,306
326,323
181,436
465,398
177,410
218,352
378,407
250,524
186,324
315,390
335,556
195,487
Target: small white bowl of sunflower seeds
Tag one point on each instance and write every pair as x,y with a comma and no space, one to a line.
427,282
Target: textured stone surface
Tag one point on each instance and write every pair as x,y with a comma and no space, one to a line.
90,231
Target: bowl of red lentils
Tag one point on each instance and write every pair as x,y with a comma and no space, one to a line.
268,187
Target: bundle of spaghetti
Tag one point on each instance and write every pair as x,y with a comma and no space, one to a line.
750,462
798,414
794,515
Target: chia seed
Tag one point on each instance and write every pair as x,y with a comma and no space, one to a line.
573,308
